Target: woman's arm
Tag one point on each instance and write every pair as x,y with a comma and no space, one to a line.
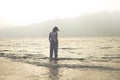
57,38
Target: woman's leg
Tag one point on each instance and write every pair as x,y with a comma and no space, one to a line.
56,51
51,53
51,50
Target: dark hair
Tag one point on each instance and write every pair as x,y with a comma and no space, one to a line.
55,29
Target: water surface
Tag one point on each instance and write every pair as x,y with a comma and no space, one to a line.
96,58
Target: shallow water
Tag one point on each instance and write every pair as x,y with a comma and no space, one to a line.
95,58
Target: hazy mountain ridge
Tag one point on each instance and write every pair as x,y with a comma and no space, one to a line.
93,24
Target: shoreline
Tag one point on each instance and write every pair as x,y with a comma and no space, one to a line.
13,70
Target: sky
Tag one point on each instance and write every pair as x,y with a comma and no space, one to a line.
25,12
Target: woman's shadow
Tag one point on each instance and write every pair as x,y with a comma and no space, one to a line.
54,70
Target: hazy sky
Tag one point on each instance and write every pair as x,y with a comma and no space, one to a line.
24,12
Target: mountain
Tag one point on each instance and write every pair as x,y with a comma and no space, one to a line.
92,24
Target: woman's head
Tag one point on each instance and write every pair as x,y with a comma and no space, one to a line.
55,29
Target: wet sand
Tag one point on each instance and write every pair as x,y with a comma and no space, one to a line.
10,70
57,70
79,59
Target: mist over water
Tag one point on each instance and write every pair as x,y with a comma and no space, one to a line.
104,23
89,43
76,56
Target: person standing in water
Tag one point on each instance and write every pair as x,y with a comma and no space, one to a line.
53,38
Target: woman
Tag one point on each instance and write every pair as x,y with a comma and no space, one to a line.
53,38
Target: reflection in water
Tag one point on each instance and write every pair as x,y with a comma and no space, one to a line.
53,71
78,57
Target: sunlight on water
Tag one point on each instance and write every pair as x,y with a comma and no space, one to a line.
78,58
